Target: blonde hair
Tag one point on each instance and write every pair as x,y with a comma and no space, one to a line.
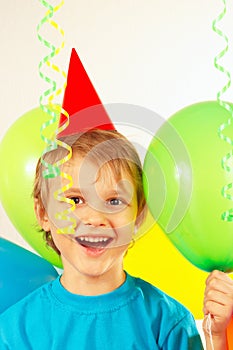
110,150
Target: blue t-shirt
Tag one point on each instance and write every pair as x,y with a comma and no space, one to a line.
135,316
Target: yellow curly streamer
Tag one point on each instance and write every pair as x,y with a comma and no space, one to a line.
58,194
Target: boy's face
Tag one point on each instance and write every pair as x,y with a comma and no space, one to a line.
105,214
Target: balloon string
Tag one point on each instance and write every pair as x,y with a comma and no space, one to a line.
209,331
228,214
54,111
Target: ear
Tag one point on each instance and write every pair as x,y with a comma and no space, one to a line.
141,217
138,223
41,215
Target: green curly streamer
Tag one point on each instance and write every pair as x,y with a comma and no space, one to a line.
54,111
50,170
228,214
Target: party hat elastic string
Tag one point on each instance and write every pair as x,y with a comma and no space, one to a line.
228,214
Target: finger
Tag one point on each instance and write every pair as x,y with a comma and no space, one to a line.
218,274
214,273
220,298
219,281
217,310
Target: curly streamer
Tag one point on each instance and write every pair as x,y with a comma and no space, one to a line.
228,214
58,194
54,111
51,171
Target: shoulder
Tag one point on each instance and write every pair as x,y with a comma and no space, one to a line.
33,301
155,298
23,318
170,320
153,292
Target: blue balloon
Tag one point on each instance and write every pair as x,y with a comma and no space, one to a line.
21,272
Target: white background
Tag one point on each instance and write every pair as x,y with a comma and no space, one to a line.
155,53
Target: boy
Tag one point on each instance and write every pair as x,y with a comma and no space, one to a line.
95,304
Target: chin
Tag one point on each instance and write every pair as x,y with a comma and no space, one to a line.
95,272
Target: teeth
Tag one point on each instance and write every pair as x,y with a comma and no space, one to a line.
93,239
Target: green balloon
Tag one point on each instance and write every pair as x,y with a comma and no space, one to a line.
20,150
183,181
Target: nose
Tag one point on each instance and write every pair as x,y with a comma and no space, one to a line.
94,217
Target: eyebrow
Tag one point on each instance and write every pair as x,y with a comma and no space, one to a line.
107,193
73,190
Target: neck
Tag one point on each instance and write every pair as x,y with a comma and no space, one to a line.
78,283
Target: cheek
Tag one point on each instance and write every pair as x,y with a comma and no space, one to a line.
124,224
125,218
124,234
61,241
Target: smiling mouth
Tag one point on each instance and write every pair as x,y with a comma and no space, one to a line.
94,242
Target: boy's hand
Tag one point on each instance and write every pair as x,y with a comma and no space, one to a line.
218,302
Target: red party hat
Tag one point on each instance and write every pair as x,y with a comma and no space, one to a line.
79,95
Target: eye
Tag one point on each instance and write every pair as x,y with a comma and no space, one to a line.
77,200
116,201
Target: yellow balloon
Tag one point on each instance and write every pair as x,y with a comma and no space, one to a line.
156,260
